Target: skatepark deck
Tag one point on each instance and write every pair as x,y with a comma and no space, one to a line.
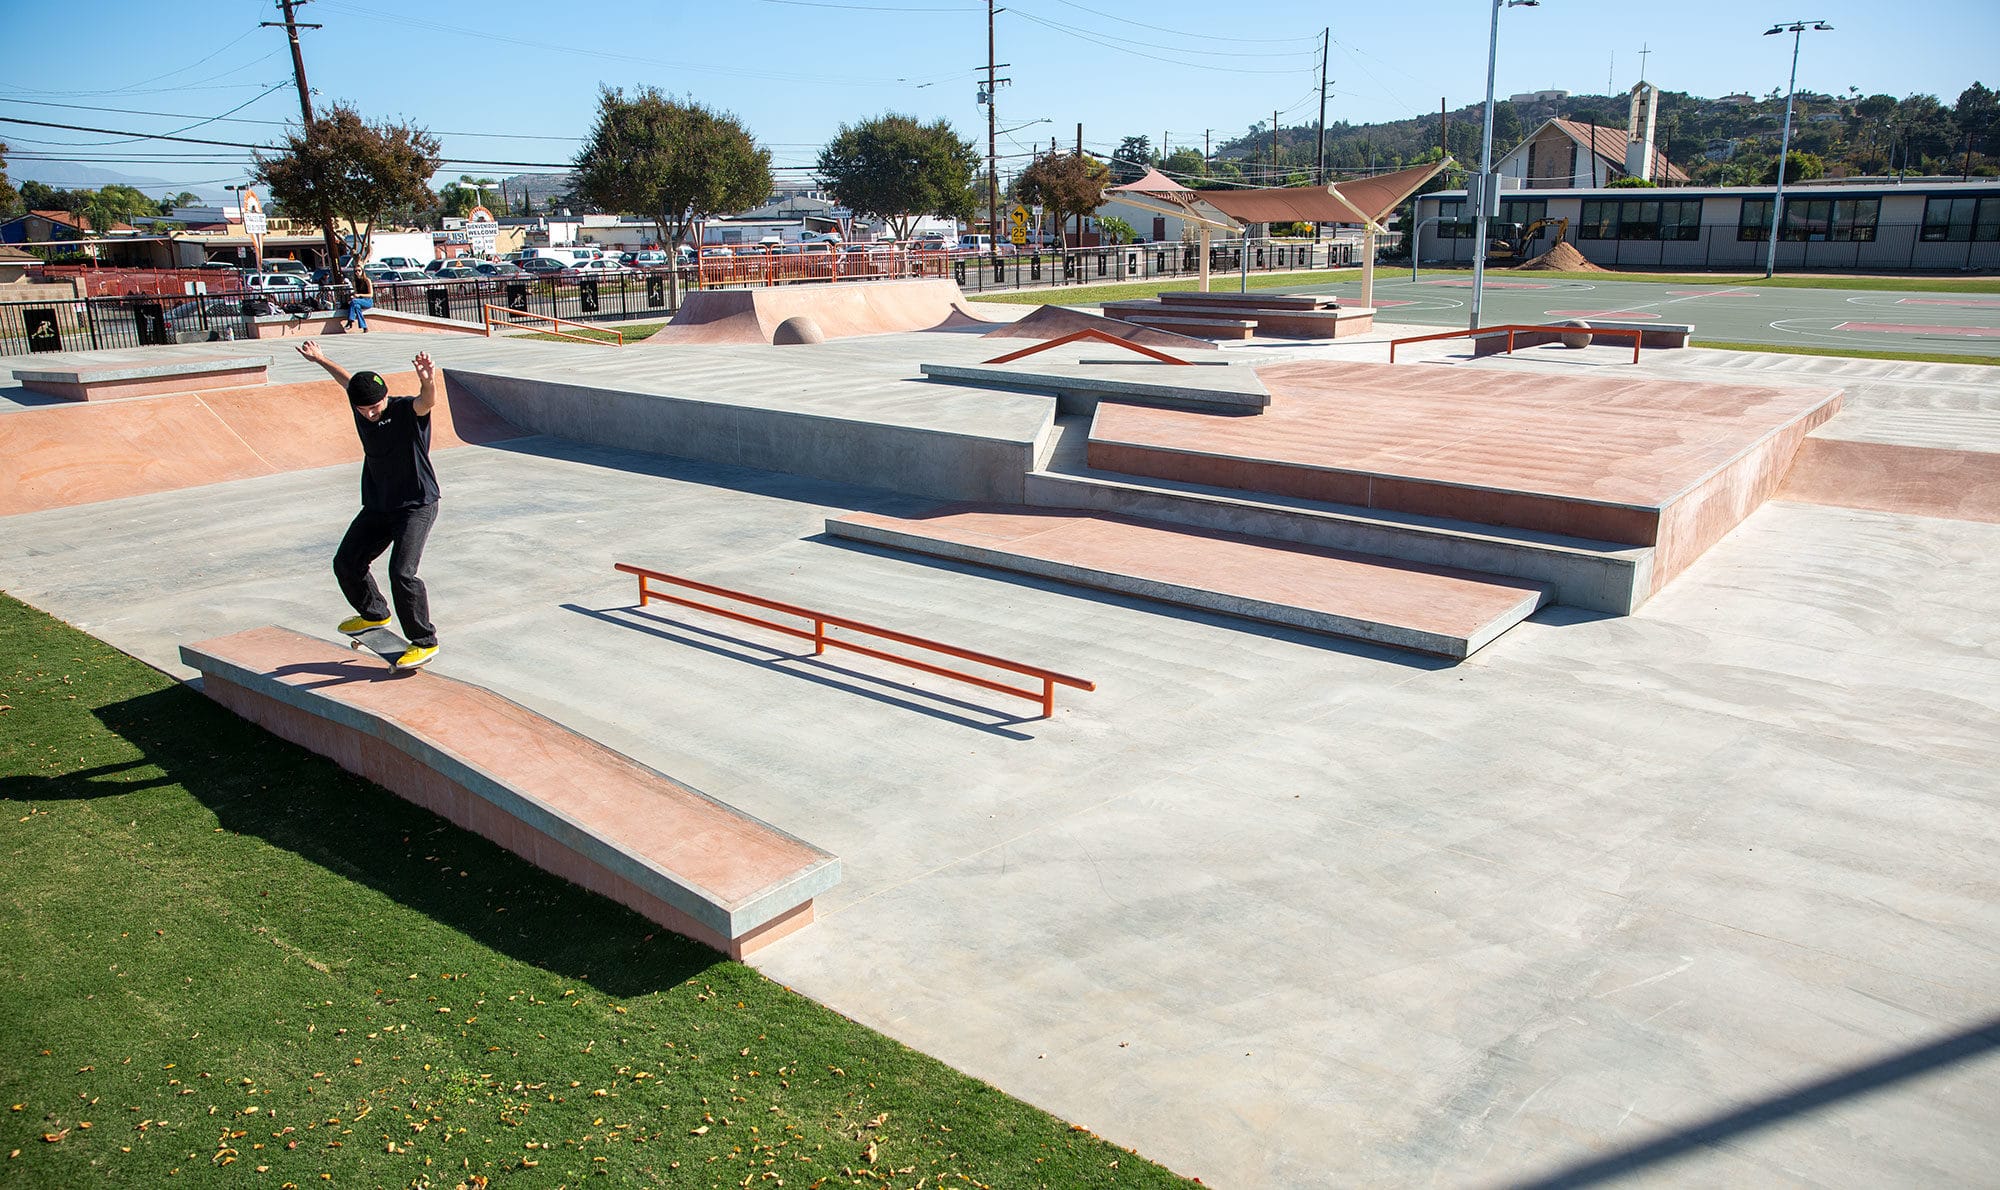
1429,609
563,802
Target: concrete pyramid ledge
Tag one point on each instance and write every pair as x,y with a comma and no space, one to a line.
565,803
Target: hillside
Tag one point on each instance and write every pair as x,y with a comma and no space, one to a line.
1727,141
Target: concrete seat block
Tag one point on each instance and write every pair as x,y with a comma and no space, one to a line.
111,379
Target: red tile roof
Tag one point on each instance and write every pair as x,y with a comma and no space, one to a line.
1609,145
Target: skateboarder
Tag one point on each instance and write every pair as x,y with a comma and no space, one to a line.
399,502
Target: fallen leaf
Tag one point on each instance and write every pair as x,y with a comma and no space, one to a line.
53,1137
868,1154
701,1130
878,1121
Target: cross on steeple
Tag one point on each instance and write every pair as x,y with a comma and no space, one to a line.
1643,51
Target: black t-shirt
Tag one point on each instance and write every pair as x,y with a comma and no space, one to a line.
396,470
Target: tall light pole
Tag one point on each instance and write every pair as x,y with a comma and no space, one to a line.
1798,31
1486,159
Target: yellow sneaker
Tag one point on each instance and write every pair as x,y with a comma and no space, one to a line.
354,624
416,655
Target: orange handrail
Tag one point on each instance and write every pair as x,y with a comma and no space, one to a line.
512,314
1511,328
821,621
1091,333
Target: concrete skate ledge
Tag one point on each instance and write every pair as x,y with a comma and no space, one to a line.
1079,392
327,322
103,382
565,803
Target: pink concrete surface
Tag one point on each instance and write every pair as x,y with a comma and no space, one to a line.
839,310
1906,328
1427,598
1595,457
731,857
1960,485
58,456
1053,322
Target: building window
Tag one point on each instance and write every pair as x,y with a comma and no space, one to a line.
1452,223
1523,210
1854,219
1755,221
1956,220
1599,221
1811,220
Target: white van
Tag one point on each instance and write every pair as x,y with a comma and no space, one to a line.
567,255
971,243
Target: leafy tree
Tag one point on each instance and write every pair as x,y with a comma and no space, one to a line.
1977,115
456,200
1799,167
39,196
675,161
896,169
185,198
479,186
1184,166
1065,185
1130,159
1633,182
10,198
115,204
345,168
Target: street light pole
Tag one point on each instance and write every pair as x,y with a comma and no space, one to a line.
1798,31
1486,159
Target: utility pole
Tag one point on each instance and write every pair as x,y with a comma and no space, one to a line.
1079,158
992,142
1319,163
1444,130
1274,143
291,26
1204,149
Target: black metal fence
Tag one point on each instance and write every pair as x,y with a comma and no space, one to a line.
83,324
139,320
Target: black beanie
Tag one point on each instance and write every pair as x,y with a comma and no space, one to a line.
366,388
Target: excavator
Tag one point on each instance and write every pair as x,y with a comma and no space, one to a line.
1509,241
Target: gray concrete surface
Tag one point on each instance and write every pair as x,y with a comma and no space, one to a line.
1213,382
1704,895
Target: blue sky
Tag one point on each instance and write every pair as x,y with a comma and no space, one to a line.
523,77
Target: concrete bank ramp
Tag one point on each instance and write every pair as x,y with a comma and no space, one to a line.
839,311
62,455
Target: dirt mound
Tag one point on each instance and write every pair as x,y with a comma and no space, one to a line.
1563,258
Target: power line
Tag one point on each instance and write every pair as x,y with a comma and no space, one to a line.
1177,49
1201,36
1096,40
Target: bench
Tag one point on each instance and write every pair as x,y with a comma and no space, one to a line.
1310,324
565,803
1259,299
111,380
1651,334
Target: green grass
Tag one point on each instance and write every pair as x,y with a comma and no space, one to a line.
1094,295
633,332
226,962
1915,357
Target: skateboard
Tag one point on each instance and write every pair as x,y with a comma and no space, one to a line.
384,644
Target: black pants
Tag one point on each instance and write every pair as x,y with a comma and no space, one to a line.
402,533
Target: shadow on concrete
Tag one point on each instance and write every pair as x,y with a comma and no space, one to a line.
815,669
1954,1048
828,493
1332,644
261,786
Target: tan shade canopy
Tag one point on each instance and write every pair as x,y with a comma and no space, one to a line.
1363,200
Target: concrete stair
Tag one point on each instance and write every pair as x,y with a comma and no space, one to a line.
1441,611
1595,575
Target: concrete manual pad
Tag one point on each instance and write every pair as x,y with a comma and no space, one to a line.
1450,613
1618,459
559,800
90,377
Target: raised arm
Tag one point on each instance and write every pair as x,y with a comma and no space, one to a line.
427,390
311,351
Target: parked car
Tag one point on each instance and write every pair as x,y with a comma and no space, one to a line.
453,270
496,270
295,267
604,267
401,277
201,308
543,266
220,266
652,258
281,286
407,263
930,243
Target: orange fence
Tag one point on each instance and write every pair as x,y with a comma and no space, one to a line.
514,317
822,641
1512,329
